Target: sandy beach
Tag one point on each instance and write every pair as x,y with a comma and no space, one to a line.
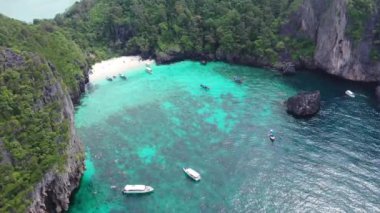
115,66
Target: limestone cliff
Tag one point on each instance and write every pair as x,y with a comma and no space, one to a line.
52,193
326,23
41,159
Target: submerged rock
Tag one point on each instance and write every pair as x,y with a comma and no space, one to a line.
304,104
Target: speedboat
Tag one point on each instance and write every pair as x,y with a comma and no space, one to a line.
137,189
205,87
149,70
350,93
192,174
109,78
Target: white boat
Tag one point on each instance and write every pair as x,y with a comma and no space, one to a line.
350,93
149,70
137,189
192,174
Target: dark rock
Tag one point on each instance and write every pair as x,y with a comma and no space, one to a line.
9,59
167,58
286,68
378,93
304,104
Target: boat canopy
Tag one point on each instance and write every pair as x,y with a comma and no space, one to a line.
193,173
134,188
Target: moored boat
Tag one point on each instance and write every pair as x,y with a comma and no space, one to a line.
271,135
238,80
137,189
205,87
123,76
192,174
350,93
149,70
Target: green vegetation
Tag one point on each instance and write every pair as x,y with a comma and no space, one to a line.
358,13
32,129
248,27
47,40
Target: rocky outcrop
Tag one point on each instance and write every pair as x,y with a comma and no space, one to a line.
304,104
326,23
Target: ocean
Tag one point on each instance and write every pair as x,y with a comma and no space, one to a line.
144,130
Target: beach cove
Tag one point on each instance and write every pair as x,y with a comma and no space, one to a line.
117,66
145,129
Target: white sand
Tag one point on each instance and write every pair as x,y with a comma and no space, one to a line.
116,66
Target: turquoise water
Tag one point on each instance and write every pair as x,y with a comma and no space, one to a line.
144,130
27,10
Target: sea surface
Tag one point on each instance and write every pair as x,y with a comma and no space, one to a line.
145,129
27,10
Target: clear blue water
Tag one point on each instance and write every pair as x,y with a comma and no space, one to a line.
27,10
144,130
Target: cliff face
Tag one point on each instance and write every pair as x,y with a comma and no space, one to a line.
41,159
326,22
52,193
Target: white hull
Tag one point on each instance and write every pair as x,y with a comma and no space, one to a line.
192,174
350,93
130,189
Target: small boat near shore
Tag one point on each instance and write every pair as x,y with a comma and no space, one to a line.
205,87
109,78
137,189
149,70
238,80
123,76
192,174
350,93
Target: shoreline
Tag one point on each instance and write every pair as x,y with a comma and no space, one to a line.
127,64
116,66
